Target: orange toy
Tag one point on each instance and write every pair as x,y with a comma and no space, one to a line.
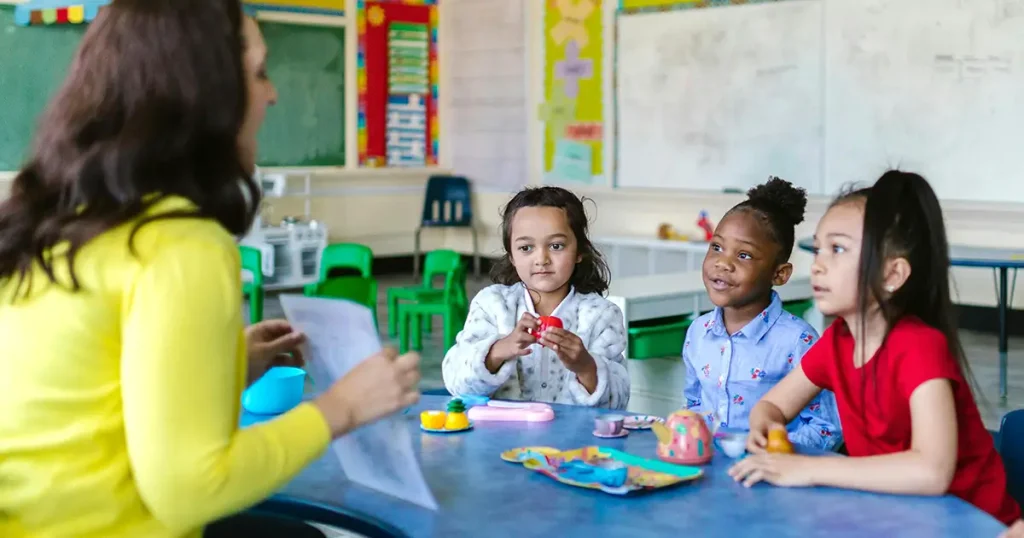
433,420
778,442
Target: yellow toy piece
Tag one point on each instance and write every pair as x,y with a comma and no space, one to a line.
456,419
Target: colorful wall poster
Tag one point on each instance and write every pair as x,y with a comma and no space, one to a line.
46,12
397,75
573,162
643,6
316,7
408,92
573,107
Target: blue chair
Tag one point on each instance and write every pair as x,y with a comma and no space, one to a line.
447,204
1011,448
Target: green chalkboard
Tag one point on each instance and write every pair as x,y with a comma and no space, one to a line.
33,62
307,126
306,63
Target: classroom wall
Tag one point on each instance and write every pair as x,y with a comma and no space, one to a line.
381,207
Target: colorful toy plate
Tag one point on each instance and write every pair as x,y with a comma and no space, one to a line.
518,455
571,467
443,430
640,422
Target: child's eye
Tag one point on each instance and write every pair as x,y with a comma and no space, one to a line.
525,248
745,256
837,249
716,247
557,246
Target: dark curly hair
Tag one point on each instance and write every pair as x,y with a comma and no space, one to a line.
780,207
590,275
151,107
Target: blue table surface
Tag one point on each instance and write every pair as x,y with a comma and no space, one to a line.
479,494
964,255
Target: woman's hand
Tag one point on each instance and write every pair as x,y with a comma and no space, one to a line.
779,469
573,354
375,388
272,343
515,345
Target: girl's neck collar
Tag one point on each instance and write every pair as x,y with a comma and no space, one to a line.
736,318
546,303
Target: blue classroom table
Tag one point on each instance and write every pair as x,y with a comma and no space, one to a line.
481,495
1000,261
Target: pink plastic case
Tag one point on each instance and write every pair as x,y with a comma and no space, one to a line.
497,410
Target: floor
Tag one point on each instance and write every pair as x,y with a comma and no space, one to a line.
981,351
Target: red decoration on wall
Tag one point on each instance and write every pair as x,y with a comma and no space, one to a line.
376,43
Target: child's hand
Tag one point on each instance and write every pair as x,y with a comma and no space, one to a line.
757,440
1015,531
779,469
573,354
515,345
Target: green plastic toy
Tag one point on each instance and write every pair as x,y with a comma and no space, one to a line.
456,406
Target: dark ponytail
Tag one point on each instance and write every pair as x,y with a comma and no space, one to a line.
903,218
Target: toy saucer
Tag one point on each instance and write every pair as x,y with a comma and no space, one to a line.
443,430
640,422
623,433
518,455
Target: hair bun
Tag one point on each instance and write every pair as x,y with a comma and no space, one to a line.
777,193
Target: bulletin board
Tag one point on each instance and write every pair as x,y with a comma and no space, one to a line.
47,12
317,7
645,6
573,107
397,74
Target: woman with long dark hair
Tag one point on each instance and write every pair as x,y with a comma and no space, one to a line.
122,350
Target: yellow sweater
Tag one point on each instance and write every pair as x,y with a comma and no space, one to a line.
119,404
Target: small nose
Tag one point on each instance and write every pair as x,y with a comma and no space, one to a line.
272,99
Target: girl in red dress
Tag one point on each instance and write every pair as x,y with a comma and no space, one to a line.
892,357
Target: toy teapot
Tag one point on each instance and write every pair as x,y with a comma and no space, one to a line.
684,439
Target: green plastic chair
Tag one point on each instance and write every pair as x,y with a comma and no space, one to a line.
438,263
361,289
252,263
453,307
346,256
358,289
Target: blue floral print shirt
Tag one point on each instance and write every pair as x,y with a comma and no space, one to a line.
727,374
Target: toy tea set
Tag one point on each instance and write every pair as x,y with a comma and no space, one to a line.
684,442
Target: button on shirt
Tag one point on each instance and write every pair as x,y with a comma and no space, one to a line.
727,374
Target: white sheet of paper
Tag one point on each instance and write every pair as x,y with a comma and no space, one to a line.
380,456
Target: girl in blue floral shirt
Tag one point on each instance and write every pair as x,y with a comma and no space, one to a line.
738,351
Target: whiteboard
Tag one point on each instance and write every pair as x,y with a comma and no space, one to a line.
720,97
932,86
